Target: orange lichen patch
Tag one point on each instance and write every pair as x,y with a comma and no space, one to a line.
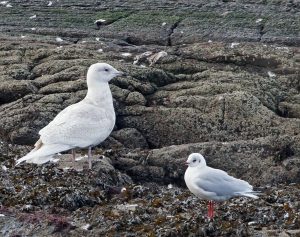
157,202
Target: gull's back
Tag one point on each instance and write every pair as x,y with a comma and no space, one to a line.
221,184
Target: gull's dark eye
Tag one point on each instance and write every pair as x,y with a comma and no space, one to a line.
106,69
194,161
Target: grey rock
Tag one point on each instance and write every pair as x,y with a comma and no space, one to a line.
12,90
130,138
271,159
159,23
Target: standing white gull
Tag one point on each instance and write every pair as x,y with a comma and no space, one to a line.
213,184
84,124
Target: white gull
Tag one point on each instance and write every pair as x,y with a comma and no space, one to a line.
213,184
84,124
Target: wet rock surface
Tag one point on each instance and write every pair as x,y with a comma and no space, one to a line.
218,77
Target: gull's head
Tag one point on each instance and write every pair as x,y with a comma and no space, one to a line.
195,159
102,72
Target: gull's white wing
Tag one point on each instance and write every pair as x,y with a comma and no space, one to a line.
221,184
79,125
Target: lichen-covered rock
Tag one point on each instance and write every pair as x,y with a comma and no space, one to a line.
226,95
130,138
271,159
149,209
159,23
66,185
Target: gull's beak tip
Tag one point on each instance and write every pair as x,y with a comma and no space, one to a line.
120,73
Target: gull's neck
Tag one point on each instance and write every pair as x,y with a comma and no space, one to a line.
197,168
99,94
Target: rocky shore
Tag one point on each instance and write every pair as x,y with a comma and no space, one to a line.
219,78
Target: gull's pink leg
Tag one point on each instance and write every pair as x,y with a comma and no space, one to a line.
73,156
90,157
210,209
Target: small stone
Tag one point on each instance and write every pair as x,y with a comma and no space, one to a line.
271,74
126,54
58,39
128,207
252,223
86,227
232,45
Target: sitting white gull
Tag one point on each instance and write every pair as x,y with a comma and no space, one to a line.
213,184
84,124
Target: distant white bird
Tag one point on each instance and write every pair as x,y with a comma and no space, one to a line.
84,124
99,21
58,39
232,45
213,184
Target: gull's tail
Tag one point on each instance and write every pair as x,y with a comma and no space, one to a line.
252,194
42,153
